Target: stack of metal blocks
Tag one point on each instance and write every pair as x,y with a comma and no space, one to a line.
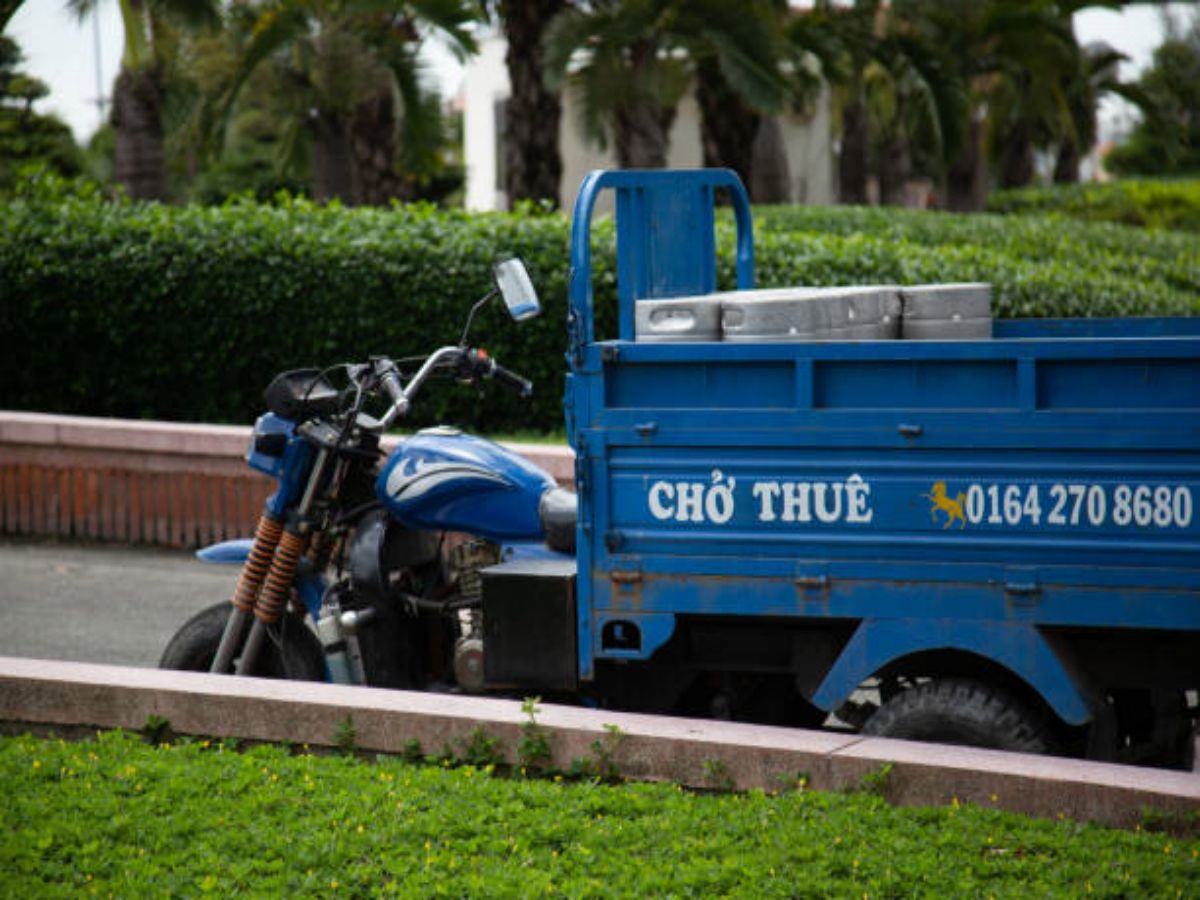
858,313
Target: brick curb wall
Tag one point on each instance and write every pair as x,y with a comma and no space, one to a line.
159,483
58,695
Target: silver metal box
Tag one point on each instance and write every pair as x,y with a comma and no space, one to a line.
678,319
811,314
946,311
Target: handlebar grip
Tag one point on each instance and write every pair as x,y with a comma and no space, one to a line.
392,387
509,378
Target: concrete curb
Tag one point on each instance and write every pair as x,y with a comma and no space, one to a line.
694,753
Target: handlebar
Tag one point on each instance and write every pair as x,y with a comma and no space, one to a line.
523,386
473,363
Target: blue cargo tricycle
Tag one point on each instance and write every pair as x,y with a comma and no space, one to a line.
802,507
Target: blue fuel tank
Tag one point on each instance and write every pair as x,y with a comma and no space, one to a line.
444,480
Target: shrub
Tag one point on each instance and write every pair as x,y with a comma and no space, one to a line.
1160,204
112,816
185,313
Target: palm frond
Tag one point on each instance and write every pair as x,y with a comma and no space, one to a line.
274,27
420,124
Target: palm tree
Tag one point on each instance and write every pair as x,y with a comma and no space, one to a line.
1013,58
534,165
629,63
137,110
354,66
747,138
1096,73
852,36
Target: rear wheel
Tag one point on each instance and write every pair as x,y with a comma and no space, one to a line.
291,651
965,712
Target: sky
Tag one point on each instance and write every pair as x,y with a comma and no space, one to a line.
62,52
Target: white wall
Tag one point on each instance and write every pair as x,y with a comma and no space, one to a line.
485,83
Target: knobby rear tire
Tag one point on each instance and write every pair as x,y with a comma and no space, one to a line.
964,712
296,655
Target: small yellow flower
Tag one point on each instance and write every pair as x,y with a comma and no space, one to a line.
995,798
37,763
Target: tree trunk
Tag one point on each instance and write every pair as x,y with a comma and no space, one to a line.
727,125
1066,166
531,137
641,124
895,170
332,159
373,142
139,160
641,137
967,178
770,180
1016,157
852,161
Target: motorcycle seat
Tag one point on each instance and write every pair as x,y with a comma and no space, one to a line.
557,510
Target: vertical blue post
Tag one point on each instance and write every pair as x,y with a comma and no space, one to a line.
666,245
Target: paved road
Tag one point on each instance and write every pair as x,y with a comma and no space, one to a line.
100,604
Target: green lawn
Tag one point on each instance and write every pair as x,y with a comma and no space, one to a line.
115,816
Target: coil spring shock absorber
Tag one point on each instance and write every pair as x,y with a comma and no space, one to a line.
266,539
273,598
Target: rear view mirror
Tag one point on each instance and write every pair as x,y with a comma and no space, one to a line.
517,289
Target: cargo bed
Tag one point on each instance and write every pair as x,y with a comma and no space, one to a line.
1027,500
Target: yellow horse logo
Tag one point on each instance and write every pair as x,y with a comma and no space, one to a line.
953,508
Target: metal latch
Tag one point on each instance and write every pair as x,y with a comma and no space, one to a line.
1022,585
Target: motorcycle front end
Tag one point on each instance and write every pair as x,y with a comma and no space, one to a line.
351,576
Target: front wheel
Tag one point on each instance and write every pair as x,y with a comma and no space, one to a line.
291,651
965,712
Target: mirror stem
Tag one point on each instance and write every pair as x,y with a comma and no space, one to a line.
462,341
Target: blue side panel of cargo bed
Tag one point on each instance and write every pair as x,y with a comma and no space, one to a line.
974,496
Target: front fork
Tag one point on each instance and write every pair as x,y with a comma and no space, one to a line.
254,571
265,584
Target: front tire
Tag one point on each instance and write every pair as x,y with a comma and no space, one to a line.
964,712
295,655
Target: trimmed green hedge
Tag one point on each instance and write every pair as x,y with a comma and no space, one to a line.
185,313
1149,203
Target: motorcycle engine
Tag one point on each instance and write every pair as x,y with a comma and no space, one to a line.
466,561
